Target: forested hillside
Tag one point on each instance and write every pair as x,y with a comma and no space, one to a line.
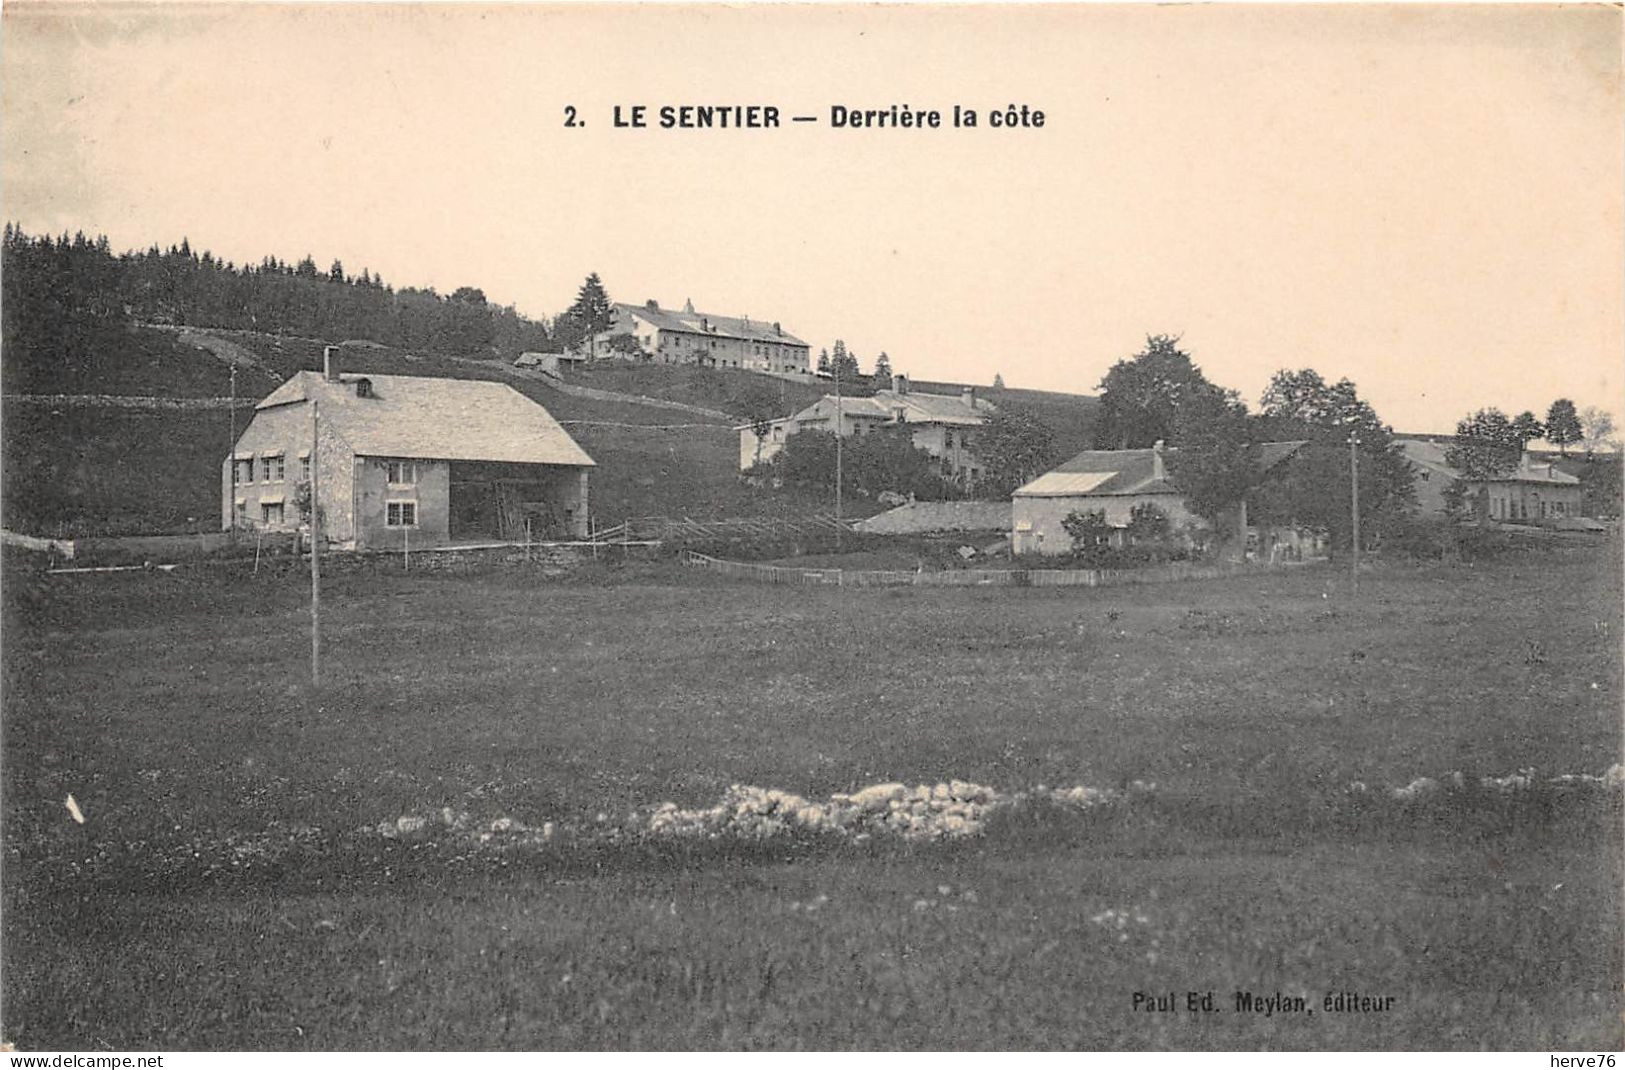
82,321
67,301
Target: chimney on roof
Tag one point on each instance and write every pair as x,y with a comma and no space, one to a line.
652,305
1157,469
776,328
899,383
330,373
969,394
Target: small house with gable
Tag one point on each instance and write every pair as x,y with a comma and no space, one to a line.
1113,483
944,425
406,461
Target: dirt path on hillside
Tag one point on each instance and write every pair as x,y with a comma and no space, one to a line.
229,353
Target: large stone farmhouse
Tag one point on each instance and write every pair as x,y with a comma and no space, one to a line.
1111,482
406,461
1534,491
943,425
667,336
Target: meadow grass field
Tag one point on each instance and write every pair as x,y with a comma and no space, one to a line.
260,863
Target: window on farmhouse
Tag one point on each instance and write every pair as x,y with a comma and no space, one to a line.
401,515
304,469
245,471
271,513
403,473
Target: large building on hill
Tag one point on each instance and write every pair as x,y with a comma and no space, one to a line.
1113,483
1533,491
944,425
670,336
406,461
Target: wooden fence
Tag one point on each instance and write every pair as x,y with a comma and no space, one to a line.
1008,577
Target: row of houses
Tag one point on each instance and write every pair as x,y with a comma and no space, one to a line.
394,461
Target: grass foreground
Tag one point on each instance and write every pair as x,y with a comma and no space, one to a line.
253,872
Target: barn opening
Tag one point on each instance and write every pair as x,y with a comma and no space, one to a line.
504,502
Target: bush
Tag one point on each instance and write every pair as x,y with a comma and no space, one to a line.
1446,539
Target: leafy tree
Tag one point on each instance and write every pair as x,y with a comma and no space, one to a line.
823,362
568,331
761,425
1601,487
1312,487
1597,431
882,461
1141,397
998,381
1563,427
882,369
1147,523
592,309
1528,427
1486,446
468,295
626,344
334,273
887,460
1012,447
1218,460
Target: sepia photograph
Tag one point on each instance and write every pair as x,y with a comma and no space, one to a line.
898,527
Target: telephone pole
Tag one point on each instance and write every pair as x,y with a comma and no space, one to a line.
315,547
1354,505
231,457
838,437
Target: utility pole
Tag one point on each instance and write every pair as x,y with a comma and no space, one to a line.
839,436
315,547
1354,504
231,456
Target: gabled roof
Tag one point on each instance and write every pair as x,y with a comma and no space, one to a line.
850,406
1104,472
1429,453
705,323
434,419
935,408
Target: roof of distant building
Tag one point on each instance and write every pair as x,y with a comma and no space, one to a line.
1103,472
921,408
918,517
1429,453
434,419
750,330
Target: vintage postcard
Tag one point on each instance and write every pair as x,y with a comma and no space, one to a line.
867,527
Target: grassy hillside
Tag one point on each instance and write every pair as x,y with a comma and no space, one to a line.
741,394
73,470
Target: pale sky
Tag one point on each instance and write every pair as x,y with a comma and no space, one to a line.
1424,199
